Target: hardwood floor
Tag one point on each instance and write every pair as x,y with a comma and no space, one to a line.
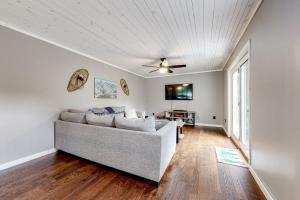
192,174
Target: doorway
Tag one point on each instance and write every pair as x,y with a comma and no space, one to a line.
239,98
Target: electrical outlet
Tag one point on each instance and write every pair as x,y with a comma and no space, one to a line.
214,117
225,121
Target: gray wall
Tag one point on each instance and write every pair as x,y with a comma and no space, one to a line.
207,96
275,95
34,77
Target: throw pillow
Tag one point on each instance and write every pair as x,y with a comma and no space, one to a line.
77,111
131,114
138,124
73,117
99,111
141,114
119,109
102,120
110,110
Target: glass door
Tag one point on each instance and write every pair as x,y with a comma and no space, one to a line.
241,105
236,103
245,106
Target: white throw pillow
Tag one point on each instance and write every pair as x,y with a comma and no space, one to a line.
100,120
131,114
137,124
141,114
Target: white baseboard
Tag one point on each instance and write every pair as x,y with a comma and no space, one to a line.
213,125
26,159
261,185
225,130
209,125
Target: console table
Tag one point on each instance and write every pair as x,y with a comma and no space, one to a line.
188,117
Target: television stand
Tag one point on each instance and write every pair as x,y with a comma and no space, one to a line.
188,117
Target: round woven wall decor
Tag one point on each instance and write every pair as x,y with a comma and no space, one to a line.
124,86
78,79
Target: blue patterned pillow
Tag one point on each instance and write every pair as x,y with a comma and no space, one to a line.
119,109
99,111
110,110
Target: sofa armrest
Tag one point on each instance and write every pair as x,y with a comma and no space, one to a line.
168,145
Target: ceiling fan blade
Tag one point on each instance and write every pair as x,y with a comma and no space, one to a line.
149,66
170,71
153,70
176,66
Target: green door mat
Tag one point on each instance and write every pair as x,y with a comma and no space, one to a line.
230,156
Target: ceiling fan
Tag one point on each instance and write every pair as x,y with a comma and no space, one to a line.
164,66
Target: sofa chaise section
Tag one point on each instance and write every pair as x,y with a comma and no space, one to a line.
145,154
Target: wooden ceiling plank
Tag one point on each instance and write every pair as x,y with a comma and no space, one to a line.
129,33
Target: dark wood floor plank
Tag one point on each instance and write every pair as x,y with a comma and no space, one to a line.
95,187
193,173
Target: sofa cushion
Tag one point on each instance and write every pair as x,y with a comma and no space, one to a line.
122,114
137,124
102,120
131,114
160,123
73,117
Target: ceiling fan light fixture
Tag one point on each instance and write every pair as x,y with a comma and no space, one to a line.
163,70
165,63
164,67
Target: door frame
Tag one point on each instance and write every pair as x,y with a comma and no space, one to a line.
242,56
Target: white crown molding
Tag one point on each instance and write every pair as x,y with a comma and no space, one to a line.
4,24
264,189
181,74
26,159
243,31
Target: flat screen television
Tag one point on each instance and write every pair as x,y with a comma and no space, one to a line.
179,91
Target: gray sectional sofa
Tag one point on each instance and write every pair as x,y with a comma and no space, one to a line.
145,154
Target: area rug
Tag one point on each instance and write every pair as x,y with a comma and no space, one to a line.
230,156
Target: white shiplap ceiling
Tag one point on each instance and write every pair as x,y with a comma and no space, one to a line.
130,33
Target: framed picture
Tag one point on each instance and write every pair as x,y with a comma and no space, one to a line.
104,89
